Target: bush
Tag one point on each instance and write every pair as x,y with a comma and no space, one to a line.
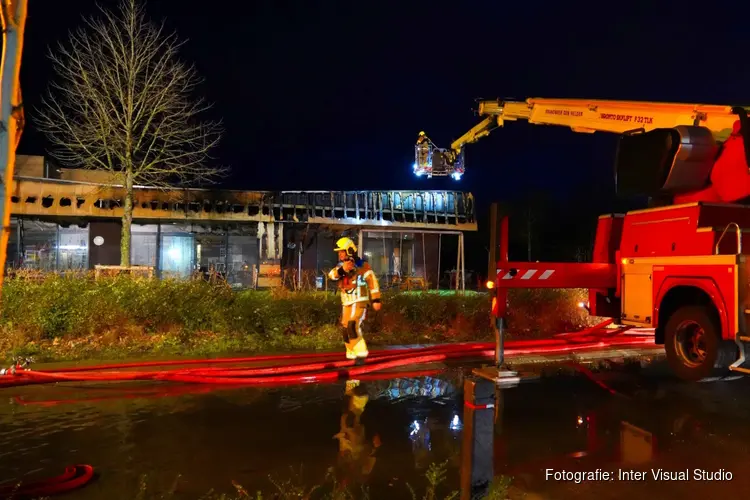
75,316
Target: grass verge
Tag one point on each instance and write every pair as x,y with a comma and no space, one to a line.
75,318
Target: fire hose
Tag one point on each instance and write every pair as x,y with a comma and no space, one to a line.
316,367
288,369
73,478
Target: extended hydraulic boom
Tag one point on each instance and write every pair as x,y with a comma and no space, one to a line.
691,136
680,267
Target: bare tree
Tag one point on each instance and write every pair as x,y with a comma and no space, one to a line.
123,103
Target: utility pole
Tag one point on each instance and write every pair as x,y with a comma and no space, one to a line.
13,14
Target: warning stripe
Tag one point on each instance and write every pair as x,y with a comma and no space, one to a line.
529,274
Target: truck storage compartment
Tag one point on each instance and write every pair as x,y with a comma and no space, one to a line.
665,161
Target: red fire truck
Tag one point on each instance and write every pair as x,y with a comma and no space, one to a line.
679,267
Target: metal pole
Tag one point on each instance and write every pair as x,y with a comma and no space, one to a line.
386,258
499,343
424,260
400,255
440,251
463,264
458,260
477,447
492,257
299,267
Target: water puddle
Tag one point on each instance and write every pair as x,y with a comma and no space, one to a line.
383,433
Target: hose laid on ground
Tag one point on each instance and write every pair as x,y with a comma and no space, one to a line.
329,368
324,370
588,335
159,392
73,478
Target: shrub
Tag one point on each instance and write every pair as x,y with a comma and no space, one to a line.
87,313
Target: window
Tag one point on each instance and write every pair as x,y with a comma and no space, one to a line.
73,248
143,245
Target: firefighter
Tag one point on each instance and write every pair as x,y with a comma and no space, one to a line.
359,288
423,151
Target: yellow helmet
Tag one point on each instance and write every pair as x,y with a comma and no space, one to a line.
421,133
346,245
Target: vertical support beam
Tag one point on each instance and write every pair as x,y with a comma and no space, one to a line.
299,267
440,251
19,242
361,243
57,248
458,261
463,263
424,261
158,251
226,255
492,258
477,447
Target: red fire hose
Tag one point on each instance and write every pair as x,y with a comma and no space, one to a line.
328,368
74,477
311,368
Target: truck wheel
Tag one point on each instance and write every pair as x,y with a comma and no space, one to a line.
693,344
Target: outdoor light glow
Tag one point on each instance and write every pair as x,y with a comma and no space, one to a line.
455,423
456,176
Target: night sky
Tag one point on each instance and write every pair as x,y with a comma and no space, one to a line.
331,94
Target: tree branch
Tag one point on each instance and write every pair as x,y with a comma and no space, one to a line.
122,100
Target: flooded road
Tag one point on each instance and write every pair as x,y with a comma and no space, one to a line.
385,433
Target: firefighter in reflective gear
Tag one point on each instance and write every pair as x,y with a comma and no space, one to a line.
359,288
423,160
357,454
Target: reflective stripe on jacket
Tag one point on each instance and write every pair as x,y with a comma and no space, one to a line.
359,285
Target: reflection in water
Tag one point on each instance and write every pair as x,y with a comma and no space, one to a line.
589,437
242,435
429,387
357,453
605,440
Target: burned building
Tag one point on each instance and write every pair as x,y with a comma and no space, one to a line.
66,219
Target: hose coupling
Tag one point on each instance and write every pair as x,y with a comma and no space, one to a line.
19,363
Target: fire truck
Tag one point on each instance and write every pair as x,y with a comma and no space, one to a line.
679,266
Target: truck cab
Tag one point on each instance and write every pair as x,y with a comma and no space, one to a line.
681,270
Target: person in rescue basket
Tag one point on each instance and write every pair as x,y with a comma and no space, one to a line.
359,288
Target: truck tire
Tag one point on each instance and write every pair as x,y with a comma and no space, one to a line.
693,344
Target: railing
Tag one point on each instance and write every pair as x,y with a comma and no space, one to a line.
738,231
49,197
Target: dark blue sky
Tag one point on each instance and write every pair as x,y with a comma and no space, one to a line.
331,94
